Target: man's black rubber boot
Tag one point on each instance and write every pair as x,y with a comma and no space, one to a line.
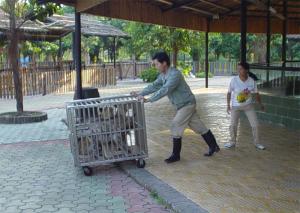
211,142
175,156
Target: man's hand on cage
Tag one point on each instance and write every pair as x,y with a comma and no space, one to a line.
142,98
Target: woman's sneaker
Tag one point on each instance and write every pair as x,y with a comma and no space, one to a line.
229,145
259,146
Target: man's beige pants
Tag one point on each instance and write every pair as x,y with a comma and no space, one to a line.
251,115
187,116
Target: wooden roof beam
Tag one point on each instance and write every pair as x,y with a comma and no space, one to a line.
178,5
201,11
190,8
261,4
165,2
83,5
214,5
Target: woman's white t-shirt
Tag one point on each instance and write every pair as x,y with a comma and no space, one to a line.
241,91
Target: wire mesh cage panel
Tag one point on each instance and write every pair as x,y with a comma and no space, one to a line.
104,130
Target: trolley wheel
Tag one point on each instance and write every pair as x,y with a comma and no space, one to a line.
117,164
87,171
140,163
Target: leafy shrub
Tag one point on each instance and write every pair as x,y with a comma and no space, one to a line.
185,69
149,75
202,75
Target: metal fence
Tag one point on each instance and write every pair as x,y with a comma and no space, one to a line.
278,80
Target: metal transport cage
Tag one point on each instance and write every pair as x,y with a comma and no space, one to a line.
107,130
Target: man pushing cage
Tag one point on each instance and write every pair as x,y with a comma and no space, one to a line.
171,83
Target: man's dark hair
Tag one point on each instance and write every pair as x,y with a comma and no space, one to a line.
246,66
162,57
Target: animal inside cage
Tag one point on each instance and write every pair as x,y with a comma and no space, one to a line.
104,130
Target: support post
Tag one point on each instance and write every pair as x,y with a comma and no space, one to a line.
114,49
77,51
284,32
243,56
284,46
268,55
206,52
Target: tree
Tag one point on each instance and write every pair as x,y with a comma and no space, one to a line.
92,45
215,44
67,44
140,41
196,49
257,47
179,40
20,11
31,49
230,48
50,49
294,49
276,44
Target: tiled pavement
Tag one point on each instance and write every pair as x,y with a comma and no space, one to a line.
37,173
53,104
51,129
40,177
239,180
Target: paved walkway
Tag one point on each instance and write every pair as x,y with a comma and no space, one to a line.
239,180
40,177
37,173
53,104
123,87
51,129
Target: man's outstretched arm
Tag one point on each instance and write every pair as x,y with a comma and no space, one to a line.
155,86
168,87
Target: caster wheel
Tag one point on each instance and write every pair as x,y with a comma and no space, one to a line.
87,171
140,163
117,164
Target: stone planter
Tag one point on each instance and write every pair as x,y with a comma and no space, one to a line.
21,118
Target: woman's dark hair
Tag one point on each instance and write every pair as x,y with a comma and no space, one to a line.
246,66
162,57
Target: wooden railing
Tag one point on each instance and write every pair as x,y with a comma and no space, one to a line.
222,68
55,79
129,69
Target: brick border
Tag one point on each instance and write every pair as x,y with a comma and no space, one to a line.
177,201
